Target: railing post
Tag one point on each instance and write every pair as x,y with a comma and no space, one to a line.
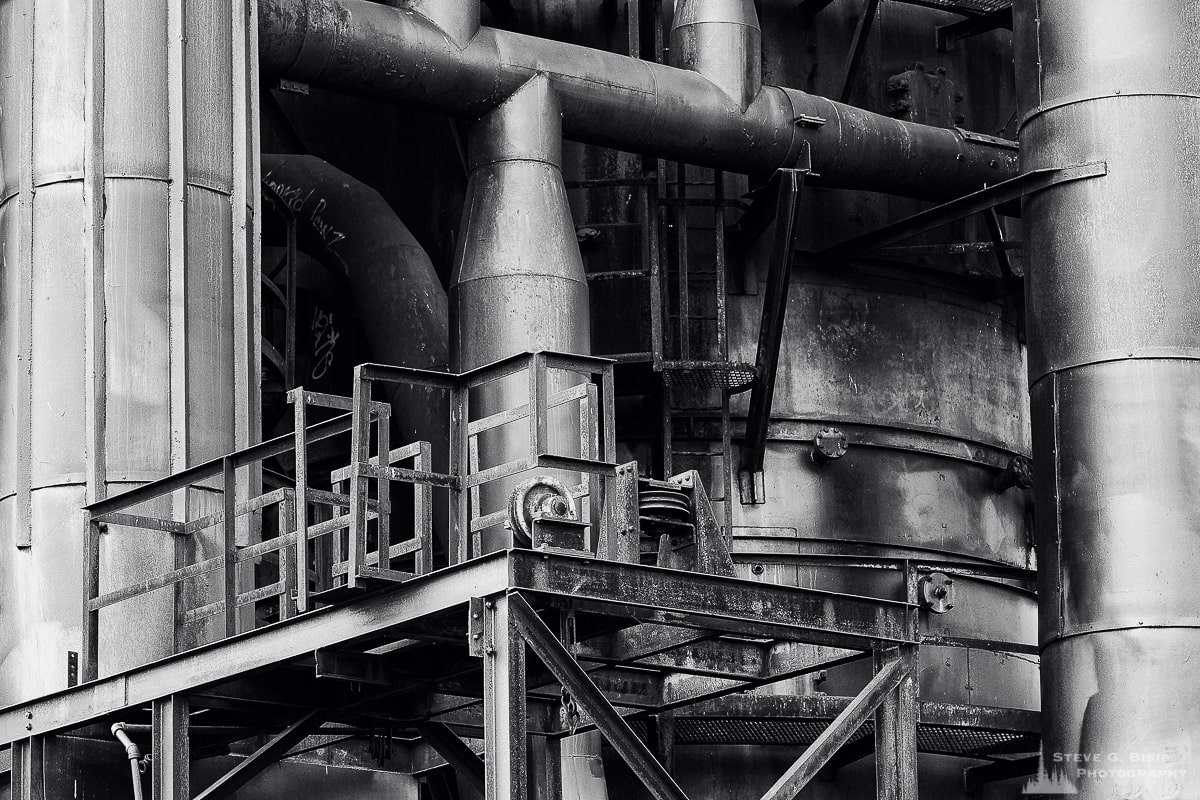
537,404
300,514
460,443
229,539
360,459
423,511
288,556
383,488
91,590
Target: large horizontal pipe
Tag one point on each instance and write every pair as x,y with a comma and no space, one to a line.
368,49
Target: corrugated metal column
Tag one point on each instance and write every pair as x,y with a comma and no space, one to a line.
1114,365
129,298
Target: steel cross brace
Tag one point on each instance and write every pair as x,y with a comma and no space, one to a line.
456,752
857,48
253,765
1003,192
885,697
574,679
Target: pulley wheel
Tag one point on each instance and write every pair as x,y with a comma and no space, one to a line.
542,496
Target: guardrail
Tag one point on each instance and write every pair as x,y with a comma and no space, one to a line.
319,538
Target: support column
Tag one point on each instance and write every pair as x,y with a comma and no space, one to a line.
171,764
504,726
1114,366
545,768
896,730
27,779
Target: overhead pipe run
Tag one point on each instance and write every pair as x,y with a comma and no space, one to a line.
367,49
1114,366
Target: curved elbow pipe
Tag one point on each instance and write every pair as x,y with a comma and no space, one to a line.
401,303
363,48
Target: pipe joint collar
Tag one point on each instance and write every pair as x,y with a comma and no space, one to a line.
458,19
525,127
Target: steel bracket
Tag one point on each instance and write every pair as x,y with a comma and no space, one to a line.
479,632
977,202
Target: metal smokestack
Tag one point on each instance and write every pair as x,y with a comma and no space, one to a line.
1114,338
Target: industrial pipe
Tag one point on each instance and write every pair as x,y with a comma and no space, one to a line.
1114,366
367,49
721,40
518,283
401,303
133,754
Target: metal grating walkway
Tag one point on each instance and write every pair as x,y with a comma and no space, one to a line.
967,7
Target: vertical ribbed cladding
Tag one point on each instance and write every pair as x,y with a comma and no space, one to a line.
126,308
721,40
1114,332
518,282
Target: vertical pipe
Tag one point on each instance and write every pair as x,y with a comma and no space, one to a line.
518,283
458,19
1114,362
721,40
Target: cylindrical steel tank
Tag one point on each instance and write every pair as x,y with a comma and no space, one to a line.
126,319
1114,332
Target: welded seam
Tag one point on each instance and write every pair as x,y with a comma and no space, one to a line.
1099,361
1074,101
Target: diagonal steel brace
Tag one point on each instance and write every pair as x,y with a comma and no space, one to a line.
831,740
576,681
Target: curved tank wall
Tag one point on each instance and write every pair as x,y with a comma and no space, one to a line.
922,365
126,302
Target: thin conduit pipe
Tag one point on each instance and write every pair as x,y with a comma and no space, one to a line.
372,50
135,757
